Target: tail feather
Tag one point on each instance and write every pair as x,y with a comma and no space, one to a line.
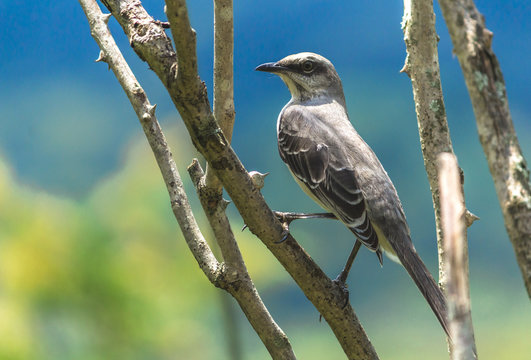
424,280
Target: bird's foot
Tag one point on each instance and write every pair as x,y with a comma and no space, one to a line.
285,220
343,287
340,282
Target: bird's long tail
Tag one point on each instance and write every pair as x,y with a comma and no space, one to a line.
421,276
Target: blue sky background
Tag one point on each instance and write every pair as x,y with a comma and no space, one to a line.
66,126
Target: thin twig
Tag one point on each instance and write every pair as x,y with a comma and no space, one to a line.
486,87
223,66
242,287
456,262
110,53
164,24
223,75
217,218
209,187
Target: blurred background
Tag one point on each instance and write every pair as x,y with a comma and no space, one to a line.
92,263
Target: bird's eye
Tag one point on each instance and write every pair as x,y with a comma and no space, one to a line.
307,66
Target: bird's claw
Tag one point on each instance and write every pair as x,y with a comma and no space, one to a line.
285,225
285,233
344,289
281,216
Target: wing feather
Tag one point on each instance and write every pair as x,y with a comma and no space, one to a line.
315,157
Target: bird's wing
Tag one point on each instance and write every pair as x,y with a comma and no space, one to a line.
314,156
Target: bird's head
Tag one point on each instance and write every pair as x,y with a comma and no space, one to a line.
307,75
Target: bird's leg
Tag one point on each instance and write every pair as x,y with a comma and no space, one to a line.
290,216
287,217
341,279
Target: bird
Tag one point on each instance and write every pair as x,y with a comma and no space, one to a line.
337,169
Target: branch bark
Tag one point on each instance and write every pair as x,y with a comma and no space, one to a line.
486,87
189,95
463,345
233,276
146,114
223,74
422,66
241,287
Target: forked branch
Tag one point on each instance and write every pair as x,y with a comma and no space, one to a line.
240,284
223,74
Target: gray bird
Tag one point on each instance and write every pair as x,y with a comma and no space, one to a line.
338,170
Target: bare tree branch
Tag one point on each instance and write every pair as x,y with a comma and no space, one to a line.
422,66
218,219
146,114
241,285
223,74
211,197
223,66
486,87
456,261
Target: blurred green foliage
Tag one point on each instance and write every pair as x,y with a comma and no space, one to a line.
105,278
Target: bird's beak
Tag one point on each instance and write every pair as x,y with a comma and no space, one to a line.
271,67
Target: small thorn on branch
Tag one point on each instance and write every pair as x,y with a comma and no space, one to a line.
151,109
163,24
405,69
224,203
470,218
101,57
106,17
258,179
